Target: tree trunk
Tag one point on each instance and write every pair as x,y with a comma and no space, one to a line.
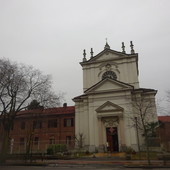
29,147
5,146
147,150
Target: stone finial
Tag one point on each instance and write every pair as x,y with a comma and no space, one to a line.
123,48
91,52
131,46
84,54
107,45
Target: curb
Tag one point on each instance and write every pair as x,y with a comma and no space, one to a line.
23,164
145,166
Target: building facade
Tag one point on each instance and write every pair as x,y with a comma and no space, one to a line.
41,128
104,113
164,131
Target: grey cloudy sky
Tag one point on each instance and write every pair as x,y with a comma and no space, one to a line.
51,35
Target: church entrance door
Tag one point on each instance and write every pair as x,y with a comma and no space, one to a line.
112,139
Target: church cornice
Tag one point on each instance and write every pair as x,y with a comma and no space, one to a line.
132,90
145,91
79,98
120,56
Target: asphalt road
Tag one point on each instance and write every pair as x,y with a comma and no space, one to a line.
74,167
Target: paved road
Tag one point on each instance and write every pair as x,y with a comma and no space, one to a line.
74,167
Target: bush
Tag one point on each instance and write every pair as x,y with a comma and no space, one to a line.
53,149
87,152
127,149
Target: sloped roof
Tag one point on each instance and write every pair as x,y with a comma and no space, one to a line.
47,112
164,118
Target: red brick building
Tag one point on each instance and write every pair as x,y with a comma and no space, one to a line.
43,127
164,132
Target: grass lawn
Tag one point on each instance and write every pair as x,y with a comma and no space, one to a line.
143,155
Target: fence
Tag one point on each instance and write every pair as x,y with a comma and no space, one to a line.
37,147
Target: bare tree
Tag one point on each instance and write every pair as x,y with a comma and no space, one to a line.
168,102
33,118
168,95
144,118
79,140
20,84
33,126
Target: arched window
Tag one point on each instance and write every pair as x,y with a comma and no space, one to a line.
109,74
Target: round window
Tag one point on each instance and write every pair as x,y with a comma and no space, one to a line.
109,74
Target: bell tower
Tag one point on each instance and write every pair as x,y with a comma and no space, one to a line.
112,64
110,82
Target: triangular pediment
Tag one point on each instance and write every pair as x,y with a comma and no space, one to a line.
108,85
109,107
107,54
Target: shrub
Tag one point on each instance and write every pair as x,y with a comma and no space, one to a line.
55,148
87,152
127,149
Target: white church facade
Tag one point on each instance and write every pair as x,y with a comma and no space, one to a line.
103,114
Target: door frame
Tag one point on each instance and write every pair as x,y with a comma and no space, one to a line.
112,144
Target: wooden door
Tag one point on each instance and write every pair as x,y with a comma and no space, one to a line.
112,139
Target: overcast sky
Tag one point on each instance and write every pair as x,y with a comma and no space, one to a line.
51,35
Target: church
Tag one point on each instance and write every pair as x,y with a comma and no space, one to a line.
105,113
107,116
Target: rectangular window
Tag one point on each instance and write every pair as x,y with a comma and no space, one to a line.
22,125
68,122
36,140
21,141
12,126
37,124
52,140
52,123
68,140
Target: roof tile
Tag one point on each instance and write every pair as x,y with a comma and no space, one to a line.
164,118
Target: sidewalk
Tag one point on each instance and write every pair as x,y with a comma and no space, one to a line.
108,161
95,161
